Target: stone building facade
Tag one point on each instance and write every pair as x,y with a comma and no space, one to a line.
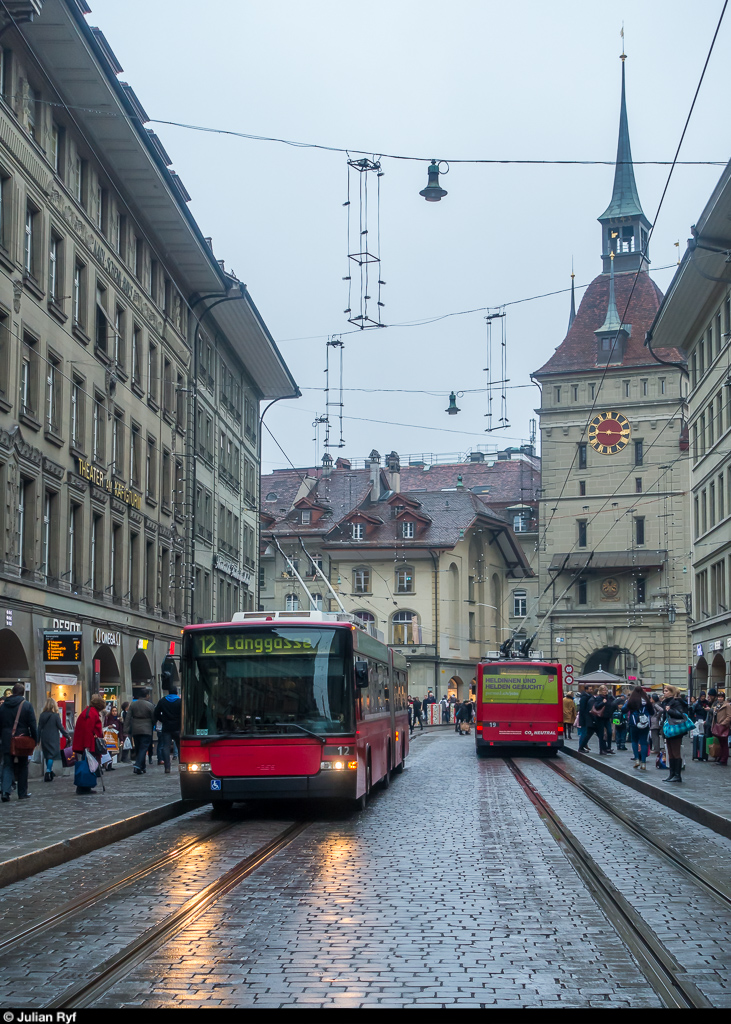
613,536
105,283
431,571
696,316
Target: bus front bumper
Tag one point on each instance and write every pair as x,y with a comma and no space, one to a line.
323,786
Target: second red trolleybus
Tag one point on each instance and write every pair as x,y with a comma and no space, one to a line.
519,704
290,705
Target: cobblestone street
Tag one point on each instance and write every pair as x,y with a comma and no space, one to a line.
468,901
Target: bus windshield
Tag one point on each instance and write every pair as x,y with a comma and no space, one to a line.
519,684
267,680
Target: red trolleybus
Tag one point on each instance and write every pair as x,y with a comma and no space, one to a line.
290,705
519,704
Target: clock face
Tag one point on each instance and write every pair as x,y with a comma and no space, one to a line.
609,433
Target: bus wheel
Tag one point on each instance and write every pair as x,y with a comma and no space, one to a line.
386,780
402,764
362,800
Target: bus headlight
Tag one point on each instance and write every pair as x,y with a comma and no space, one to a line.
195,767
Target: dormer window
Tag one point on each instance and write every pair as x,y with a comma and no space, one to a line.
520,523
306,518
357,531
408,530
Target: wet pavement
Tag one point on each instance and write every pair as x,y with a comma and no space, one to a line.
447,891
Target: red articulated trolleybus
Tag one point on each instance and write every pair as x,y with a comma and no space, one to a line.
290,705
519,704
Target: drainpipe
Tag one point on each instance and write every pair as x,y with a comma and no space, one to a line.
435,561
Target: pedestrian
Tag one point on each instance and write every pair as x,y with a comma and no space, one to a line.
656,722
169,713
586,702
50,729
17,723
444,704
464,715
619,721
417,715
699,712
125,754
721,712
569,714
411,714
140,725
601,716
638,711
676,709
87,732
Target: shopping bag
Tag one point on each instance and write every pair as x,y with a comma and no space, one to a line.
127,745
37,756
106,759
92,762
68,757
714,749
83,777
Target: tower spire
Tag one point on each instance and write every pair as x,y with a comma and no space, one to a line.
613,334
624,224
572,314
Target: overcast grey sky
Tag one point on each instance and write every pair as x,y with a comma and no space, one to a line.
469,79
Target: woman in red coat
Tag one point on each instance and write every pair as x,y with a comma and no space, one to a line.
87,730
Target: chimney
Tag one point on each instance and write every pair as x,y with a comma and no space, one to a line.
394,471
327,464
374,460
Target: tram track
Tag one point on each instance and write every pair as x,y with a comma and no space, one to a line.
74,907
666,976
116,967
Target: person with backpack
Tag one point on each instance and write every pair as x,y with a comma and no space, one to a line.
638,710
169,713
18,739
600,715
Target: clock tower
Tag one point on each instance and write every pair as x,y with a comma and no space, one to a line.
613,541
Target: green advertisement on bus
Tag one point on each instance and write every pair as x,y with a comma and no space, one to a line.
506,685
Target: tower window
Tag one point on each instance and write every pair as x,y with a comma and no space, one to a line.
581,592
581,524
557,392
582,456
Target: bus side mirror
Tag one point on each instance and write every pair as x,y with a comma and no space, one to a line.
361,674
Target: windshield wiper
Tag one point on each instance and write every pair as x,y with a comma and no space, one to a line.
204,740
296,725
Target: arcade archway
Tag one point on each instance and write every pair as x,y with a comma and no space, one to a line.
13,662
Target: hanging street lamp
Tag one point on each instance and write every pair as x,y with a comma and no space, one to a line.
452,410
433,193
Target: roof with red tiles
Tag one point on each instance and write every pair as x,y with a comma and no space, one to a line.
509,480
579,349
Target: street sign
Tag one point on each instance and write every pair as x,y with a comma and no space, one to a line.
560,639
569,669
